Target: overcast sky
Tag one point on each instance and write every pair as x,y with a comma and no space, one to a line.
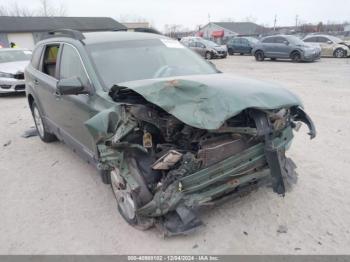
192,13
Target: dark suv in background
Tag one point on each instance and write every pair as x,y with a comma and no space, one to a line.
285,47
241,45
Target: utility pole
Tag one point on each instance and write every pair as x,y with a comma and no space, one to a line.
209,26
274,23
296,21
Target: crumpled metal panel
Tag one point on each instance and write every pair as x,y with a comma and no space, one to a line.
207,101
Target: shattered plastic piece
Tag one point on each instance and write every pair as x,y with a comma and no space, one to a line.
30,133
282,229
167,161
7,143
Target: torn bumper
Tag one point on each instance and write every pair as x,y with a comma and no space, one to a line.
211,183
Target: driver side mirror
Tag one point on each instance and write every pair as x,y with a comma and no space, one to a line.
70,86
286,42
329,42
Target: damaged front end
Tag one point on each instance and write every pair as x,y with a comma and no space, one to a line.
163,170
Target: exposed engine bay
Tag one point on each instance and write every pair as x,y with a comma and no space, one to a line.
162,170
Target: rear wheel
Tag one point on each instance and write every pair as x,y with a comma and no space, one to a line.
230,51
296,57
41,126
129,201
259,56
339,53
273,59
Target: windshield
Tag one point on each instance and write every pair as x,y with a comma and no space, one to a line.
209,43
124,61
295,40
14,55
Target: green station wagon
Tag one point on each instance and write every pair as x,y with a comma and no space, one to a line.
163,126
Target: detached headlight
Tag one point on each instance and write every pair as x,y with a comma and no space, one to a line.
6,75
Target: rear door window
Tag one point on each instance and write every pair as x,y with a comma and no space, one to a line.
280,40
322,39
49,64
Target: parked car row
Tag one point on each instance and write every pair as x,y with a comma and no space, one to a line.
291,47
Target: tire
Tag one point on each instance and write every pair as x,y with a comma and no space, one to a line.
259,56
273,59
296,57
105,176
241,54
230,52
40,125
339,53
129,201
208,56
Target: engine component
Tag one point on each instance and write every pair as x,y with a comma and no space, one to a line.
215,149
167,161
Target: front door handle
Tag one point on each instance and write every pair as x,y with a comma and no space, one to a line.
36,81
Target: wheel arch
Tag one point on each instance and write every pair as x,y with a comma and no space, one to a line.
295,51
344,49
258,50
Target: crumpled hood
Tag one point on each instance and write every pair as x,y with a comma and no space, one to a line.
13,67
207,101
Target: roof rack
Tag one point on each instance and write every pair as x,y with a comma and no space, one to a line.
119,29
68,33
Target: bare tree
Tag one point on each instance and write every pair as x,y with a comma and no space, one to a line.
47,9
15,10
251,19
128,18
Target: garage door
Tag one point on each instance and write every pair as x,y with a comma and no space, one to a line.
23,40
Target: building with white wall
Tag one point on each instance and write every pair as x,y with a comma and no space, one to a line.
221,31
26,31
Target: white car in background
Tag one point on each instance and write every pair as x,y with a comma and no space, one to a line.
12,64
331,46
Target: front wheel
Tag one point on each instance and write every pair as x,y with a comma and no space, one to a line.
41,126
339,53
129,201
208,55
259,56
296,57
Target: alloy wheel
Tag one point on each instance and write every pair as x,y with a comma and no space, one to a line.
38,121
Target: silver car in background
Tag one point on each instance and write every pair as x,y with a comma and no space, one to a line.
285,47
12,64
205,48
